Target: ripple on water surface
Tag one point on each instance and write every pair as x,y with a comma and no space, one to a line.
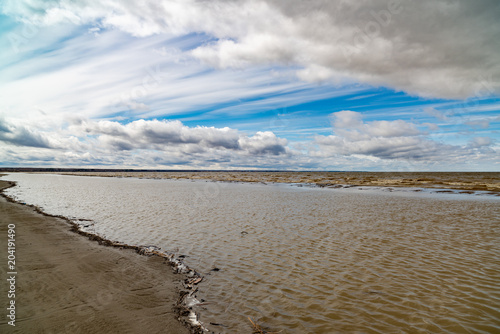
305,260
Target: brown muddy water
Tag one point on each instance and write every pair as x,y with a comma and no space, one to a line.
304,259
468,181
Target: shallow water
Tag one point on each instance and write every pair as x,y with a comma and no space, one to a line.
305,260
466,182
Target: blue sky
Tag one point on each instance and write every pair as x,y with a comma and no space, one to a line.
295,85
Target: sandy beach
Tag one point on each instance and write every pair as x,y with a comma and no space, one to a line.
66,283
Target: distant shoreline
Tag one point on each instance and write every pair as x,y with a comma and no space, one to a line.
144,170
467,182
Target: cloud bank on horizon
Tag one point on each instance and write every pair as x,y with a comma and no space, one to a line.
272,84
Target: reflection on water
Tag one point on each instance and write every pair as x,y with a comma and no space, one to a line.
305,260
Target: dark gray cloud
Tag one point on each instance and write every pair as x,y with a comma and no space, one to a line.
142,143
22,136
263,143
162,135
439,48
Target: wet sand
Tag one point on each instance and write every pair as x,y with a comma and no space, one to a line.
66,283
464,181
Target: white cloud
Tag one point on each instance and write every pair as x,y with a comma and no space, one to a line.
392,140
156,134
350,125
480,142
120,76
436,113
431,126
79,58
384,148
263,143
479,124
143,143
22,136
430,48
171,144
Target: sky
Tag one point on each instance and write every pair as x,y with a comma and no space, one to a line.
251,84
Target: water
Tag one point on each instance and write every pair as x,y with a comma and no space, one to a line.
305,260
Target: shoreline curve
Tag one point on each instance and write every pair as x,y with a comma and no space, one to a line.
66,283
